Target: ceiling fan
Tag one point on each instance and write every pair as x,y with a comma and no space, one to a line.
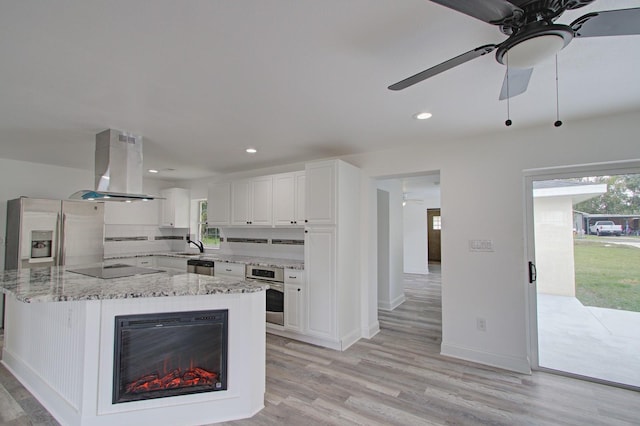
533,35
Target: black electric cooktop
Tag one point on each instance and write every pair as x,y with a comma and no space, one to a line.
114,271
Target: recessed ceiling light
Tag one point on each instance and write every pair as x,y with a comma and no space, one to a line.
152,171
251,150
422,115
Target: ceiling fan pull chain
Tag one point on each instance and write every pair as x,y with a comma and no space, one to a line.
558,123
508,122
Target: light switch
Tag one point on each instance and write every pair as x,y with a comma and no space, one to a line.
481,245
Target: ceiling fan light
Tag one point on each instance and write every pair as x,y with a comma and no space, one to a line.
531,52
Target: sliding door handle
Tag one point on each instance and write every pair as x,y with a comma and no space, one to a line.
533,274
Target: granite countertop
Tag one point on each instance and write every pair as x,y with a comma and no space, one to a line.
58,284
226,258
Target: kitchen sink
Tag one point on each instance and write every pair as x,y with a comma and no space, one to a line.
188,253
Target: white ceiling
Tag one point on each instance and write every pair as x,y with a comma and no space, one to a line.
201,80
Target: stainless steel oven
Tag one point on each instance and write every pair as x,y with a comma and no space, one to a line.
275,294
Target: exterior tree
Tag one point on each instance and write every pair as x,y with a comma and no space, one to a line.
622,196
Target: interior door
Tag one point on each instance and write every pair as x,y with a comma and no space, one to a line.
433,235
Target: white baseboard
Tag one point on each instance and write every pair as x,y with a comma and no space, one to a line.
371,330
417,271
350,339
518,365
390,306
331,344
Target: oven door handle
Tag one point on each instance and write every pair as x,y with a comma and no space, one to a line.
276,286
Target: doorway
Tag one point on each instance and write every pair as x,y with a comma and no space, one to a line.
584,291
434,225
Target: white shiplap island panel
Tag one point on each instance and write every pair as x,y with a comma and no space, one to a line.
59,342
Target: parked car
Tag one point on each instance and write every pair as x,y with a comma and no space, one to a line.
605,227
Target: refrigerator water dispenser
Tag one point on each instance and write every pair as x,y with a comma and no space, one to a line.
41,243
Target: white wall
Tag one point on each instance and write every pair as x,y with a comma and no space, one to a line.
555,264
391,293
483,177
384,245
415,237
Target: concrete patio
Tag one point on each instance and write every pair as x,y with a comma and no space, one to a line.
594,342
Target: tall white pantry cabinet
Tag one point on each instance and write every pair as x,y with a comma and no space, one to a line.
332,237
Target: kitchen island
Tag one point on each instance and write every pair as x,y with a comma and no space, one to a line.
61,342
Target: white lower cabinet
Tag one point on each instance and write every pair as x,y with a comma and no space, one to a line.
229,270
146,261
142,261
178,263
294,300
121,261
293,303
320,264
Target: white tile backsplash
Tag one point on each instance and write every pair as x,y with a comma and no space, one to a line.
149,245
280,251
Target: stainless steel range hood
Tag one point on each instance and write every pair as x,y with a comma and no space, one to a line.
118,169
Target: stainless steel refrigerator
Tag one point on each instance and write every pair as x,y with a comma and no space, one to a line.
44,232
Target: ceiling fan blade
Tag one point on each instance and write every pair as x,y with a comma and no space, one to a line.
516,81
446,65
490,11
608,23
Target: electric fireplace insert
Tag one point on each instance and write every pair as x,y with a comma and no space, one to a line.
169,354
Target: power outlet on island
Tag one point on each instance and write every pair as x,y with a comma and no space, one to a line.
481,324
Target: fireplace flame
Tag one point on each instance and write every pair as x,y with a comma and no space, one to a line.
174,379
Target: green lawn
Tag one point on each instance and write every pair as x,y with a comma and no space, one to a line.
607,275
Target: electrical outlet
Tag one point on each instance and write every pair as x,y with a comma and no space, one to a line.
481,245
481,324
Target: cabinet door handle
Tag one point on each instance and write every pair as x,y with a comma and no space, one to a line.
298,289
293,278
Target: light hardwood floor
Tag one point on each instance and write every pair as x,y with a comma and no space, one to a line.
398,378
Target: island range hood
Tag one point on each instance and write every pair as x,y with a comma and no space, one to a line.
118,169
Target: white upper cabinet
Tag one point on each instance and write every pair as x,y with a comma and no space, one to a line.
240,193
262,201
301,190
175,208
288,199
252,201
321,193
219,204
